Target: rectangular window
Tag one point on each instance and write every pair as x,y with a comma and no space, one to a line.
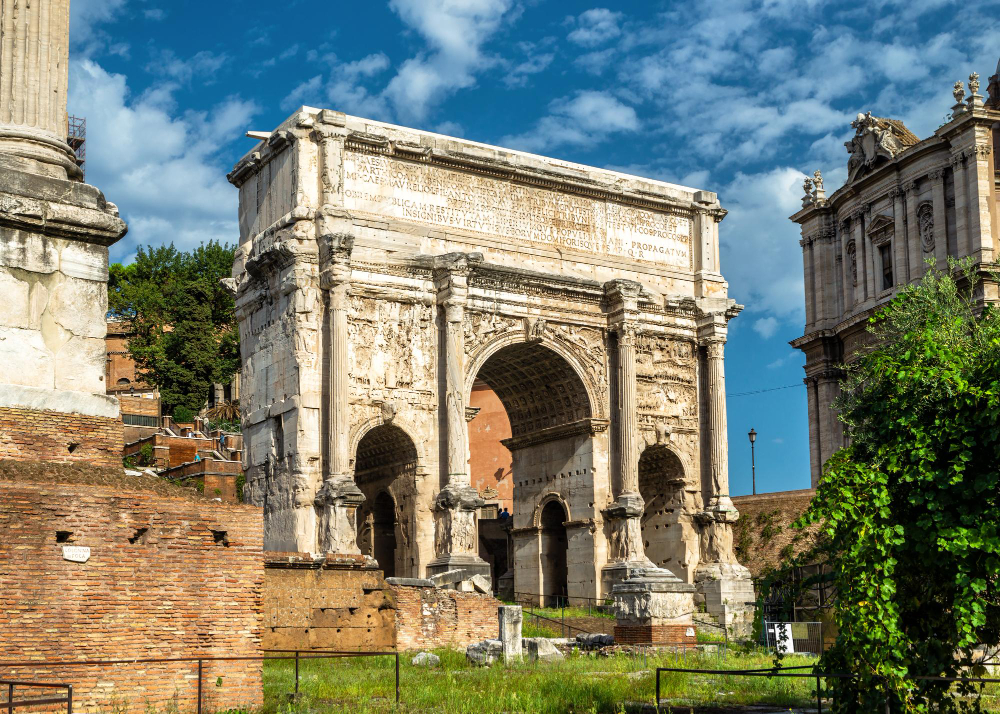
885,254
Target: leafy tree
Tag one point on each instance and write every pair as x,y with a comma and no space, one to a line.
183,322
911,510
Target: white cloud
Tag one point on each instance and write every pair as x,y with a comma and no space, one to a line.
585,117
792,357
765,327
159,167
202,66
345,90
455,31
85,16
155,14
595,27
761,257
535,61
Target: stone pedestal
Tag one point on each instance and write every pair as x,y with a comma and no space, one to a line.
455,534
724,586
728,595
337,505
627,555
654,607
510,617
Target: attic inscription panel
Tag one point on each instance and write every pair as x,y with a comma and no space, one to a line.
380,187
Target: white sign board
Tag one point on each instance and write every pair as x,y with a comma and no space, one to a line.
781,636
76,553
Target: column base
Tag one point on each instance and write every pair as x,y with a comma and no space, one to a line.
654,606
728,595
470,563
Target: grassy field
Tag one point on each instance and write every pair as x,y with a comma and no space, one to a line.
580,683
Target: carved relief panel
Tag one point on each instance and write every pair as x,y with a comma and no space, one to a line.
666,375
392,345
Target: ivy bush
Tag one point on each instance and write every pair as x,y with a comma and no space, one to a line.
911,510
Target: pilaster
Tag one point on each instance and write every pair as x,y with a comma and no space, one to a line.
901,270
940,221
980,174
913,233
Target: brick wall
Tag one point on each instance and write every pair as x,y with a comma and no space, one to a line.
28,435
167,576
655,634
339,603
428,617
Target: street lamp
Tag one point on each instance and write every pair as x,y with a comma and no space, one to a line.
753,467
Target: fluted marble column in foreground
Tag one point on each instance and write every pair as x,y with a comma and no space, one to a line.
717,427
34,63
456,541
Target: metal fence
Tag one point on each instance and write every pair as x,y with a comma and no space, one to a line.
797,673
794,637
296,655
12,703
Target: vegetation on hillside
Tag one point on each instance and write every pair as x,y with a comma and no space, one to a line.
183,322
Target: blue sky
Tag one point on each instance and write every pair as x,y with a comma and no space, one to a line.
738,97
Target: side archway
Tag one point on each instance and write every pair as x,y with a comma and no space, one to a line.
385,468
661,482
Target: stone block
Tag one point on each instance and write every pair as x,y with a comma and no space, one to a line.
540,649
484,653
426,659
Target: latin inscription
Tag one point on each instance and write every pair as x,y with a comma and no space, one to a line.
384,187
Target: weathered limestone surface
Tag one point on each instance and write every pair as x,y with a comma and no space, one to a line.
382,271
54,230
511,618
906,201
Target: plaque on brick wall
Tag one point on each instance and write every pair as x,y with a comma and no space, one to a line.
76,553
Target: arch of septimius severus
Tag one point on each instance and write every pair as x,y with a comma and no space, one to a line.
382,271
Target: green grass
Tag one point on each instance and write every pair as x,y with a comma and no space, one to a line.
580,683
556,613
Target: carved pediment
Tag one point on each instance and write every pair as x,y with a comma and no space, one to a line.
880,224
876,140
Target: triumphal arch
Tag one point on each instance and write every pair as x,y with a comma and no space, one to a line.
383,271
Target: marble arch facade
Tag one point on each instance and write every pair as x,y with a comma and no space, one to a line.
383,270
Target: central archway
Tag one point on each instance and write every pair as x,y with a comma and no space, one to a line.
549,420
385,471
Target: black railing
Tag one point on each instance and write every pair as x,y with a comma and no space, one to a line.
12,703
818,676
296,655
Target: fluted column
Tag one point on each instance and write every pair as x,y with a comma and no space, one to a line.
717,427
456,542
339,497
628,453
34,64
626,546
940,221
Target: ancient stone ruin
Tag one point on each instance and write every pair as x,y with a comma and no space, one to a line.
383,270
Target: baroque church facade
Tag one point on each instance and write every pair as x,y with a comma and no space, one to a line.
907,204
